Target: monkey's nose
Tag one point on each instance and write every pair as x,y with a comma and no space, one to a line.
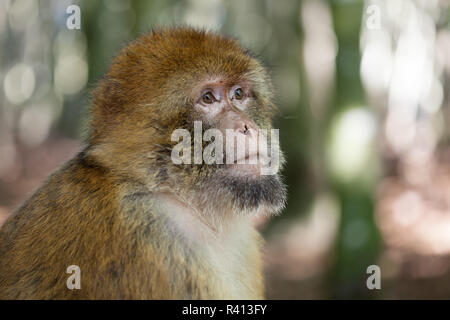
245,129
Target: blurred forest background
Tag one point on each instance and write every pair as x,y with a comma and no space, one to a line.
364,93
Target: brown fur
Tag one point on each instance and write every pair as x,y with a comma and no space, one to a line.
109,210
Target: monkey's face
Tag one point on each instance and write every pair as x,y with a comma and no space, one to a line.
225,106
241,156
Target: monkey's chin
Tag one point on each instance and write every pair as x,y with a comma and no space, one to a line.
245,192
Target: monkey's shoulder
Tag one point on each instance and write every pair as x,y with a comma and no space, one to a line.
69,195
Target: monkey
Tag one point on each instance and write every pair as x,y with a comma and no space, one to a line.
138,225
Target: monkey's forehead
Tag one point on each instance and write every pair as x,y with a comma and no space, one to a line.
194,52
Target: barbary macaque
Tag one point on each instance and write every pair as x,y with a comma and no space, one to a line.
136,223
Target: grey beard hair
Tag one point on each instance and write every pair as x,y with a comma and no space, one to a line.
216,196
243,194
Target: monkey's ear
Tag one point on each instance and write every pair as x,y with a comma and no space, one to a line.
109,99
107,105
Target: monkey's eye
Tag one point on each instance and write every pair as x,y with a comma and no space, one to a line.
239,94
208,98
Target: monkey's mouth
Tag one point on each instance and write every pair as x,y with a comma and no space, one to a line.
252,159
249,165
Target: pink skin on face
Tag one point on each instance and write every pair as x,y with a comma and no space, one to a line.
225,104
